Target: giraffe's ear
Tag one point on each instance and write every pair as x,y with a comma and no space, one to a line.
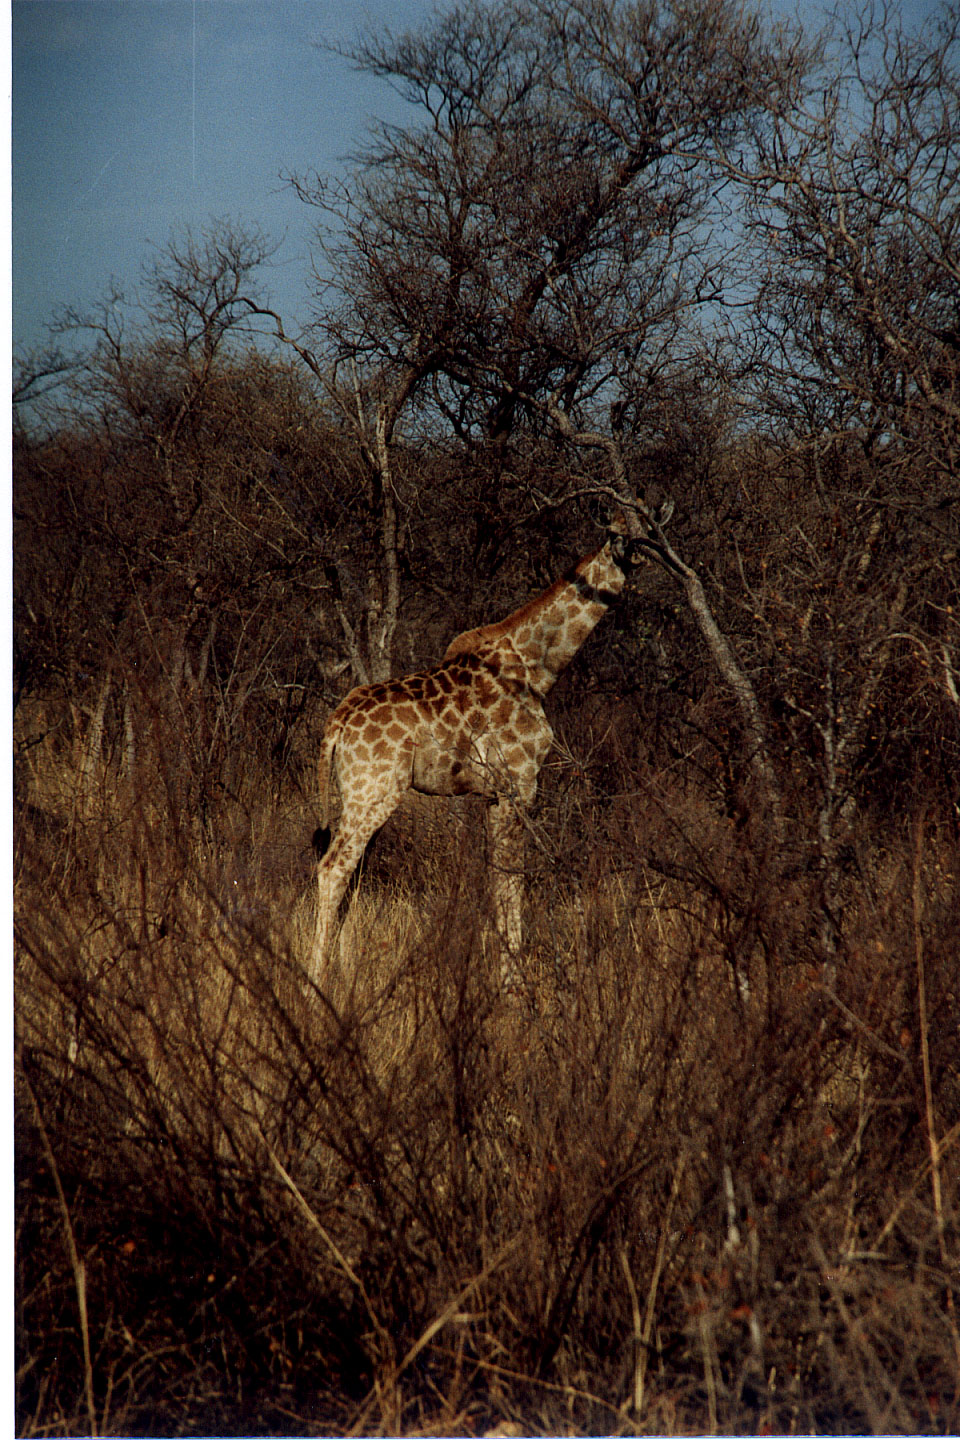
664,511
660,515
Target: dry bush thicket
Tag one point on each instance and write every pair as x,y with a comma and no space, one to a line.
699,1173
638,1197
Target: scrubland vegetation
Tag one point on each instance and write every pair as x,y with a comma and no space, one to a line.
700,1172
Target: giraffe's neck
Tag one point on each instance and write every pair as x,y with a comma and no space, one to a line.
535,644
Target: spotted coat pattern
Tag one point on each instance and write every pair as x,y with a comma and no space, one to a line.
472,725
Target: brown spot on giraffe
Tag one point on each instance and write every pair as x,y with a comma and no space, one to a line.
474,724
524,722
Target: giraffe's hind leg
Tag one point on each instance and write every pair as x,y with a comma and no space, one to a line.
333,877
354,833
517,753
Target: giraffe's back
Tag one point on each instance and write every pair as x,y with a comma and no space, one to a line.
457,729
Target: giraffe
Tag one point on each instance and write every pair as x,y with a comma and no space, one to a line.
472,725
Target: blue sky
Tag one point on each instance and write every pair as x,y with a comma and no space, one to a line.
132,118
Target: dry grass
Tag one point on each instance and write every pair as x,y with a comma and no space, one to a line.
632,1199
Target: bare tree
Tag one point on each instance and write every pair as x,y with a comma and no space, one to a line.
852,202
174,525
146,365
37,375
546,228
539,244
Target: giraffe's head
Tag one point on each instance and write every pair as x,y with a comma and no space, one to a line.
628,549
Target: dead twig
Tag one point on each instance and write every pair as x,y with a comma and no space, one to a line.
76,1263
917,899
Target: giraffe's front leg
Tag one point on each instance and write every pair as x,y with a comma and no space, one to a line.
508,852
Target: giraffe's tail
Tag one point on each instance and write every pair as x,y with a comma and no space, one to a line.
321,836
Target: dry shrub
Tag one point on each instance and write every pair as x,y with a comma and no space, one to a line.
638,1196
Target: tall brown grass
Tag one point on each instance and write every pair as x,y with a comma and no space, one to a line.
675,1184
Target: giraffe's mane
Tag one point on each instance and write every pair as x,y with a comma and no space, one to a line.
484,635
